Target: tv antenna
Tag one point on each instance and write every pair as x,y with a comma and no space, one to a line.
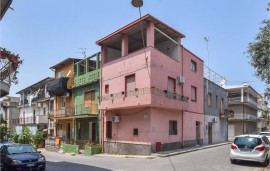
83,51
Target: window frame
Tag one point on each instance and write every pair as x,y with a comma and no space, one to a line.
173,127
195,93
209,99
193,66
108,129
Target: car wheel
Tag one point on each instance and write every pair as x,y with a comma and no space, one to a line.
233,161
266,162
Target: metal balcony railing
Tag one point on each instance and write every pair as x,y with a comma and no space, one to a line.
62,112
143,91
27,120
246,117
86,109
245,100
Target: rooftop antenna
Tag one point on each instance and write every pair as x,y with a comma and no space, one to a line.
206,39
83,52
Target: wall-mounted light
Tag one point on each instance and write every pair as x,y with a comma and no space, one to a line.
137,3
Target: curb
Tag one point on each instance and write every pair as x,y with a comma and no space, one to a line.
191,150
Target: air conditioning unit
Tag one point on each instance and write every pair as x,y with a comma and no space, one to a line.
115,119
181,79
215,120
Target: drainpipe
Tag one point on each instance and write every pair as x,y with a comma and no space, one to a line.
182,92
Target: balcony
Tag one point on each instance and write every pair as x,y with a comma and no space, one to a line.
41,119
4,89
82,109
58,87
148,96
87,78
245,117
237,100
63,112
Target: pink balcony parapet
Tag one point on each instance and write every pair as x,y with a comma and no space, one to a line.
150,96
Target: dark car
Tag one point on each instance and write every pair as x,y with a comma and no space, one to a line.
21,157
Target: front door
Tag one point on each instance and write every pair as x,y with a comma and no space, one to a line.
68,132
94,131
198,134
209,133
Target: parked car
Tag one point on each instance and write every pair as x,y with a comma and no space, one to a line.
21,157
4,143
267,134
250,148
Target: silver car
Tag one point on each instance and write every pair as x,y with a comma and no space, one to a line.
250,148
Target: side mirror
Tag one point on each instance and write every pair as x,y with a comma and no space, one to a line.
39,151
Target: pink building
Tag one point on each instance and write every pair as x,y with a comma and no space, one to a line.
151,98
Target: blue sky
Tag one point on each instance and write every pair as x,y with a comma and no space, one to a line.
44,33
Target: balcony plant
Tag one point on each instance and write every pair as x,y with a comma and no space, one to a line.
15,63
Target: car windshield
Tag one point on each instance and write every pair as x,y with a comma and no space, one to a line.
21,149
247,142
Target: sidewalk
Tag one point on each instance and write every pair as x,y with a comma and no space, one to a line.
165,153
186,150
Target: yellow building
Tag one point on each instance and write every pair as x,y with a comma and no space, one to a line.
60,89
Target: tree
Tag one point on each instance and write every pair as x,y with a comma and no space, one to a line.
3,128
259,52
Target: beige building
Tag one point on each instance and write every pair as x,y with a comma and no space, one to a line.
243,100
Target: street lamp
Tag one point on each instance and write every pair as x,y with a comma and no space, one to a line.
137,3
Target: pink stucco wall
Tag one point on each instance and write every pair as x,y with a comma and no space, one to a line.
152,70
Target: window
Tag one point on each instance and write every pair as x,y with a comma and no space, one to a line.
193,94
171,85
216,101
60,74
44,111
193,66
136,131
109,129
172,127
89,100
130,83
107,89
222,105
63,101
209,99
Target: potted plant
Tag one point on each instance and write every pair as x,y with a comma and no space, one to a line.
38,139
91,149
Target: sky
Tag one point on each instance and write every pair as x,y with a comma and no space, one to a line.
44,33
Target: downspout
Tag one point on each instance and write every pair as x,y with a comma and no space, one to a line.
182,92
100,99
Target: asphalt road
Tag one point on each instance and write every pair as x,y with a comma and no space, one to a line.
212,159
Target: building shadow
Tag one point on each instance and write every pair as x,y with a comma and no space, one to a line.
251,164
67,166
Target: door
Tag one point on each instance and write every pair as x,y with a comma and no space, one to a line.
68,132
209,133
198,133
231,132
94,131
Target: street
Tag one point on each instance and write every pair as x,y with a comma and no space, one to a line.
216,158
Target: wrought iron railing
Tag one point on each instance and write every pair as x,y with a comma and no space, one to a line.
245,100
247,117
86,109
143,91
62,112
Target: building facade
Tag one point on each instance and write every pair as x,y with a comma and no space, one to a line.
151,90
10,112
216,113
60,89
86,92
243,100
34,106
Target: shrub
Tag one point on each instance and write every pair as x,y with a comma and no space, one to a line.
38,138
15,137
25,136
